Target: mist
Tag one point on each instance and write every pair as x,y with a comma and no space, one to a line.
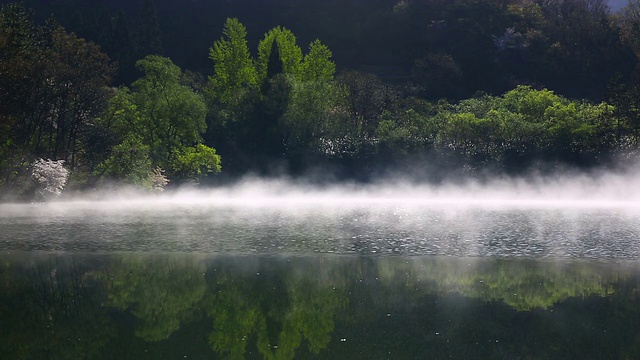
595,188
568,214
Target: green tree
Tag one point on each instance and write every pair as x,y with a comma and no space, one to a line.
407,131
193,162
525,124
365,99
172,115
290,54
312,116
162,118
52,308
234,72
274,65
317,65
232,96
129,160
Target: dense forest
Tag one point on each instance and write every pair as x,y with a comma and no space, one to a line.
151,93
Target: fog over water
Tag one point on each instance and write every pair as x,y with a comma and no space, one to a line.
578,216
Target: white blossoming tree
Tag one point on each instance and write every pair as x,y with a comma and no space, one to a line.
158,180
50,176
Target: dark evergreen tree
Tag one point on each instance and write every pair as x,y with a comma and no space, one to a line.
149,42
122,48
274,66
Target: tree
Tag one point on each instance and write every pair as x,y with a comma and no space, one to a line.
289,54
53,86
234,72
130,161
51,177
525,125
317,65
583,48
366,100
438,75
274,65
149,42
312,117
265,109
172,115
123,48
160,123
630,24
193,162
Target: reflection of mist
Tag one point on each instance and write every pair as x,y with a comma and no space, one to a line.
369,230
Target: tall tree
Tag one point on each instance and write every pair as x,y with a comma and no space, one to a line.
234,72
123,48
149,41
232,94
274,65
290,54
317,65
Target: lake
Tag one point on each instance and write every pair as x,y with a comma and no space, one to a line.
290,272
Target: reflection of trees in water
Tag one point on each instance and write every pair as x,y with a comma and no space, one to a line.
505,309
161,292
277,307
300,307
50,309
267,304
521,284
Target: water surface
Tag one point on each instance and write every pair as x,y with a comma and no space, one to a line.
323,276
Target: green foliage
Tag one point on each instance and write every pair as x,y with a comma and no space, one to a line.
172,114
302,307
509,131
193,162
531,104
316,65
521,285
236,317
289,52
234,72
162,294
62,319
406,132
274,65
159,122
129,160
311,114
283,105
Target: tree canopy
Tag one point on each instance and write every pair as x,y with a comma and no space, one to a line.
463,84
